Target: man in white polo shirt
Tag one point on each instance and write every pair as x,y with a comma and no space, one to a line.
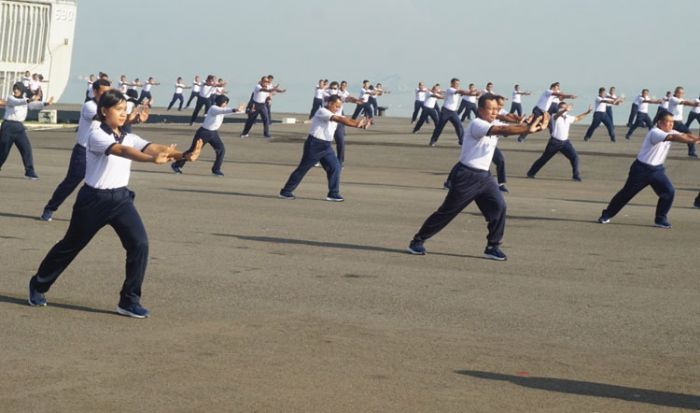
421,93
468,105
516,104
449,112
601,115
648,169
260,94
471,180
675,106
429,110
559,142
545,102
642,113
318,148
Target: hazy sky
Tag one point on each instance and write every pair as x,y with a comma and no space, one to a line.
583,44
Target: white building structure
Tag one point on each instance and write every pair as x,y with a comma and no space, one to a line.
36,36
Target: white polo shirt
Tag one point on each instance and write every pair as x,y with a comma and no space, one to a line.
318,93
430,101
517,97
664,103
654,147
90,92
260,96
600,104
696,109
364,95
179,87
545,100
206,91
470,98
147,87
675,107
196,86
421,94
16,108
86,122
215,117
123,86
34,85
105,171
477,145
451,99
560,131
322,127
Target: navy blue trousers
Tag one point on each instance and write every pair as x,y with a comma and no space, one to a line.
640,176
261,110
516,107
448,116
208,137
500,163
375,106
633,115
364,108
598,118
427,112
609,112
316,150
417,105
74,176
145,95
201,102
93,209
192,96
468,108
339,137
692,116
314,107
176,97
467,185
13,132
553,147
642,119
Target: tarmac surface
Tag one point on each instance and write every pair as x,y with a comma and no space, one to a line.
263,304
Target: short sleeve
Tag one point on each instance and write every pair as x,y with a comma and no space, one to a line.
99,142
137,142
479,128
324,114
657,135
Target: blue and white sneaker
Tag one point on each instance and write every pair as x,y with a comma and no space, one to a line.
604,218
47,215
662,223
176,169
217,174
492,252
134,311
36,299
335,198
416,247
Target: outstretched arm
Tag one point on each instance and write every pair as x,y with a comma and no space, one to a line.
362,123
584,114
683,138
531,126
564,95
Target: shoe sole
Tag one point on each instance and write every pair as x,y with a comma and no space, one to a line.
663,226
495,258
130,314
334,199
413,252
280,196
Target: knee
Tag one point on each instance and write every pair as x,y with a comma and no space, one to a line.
138,247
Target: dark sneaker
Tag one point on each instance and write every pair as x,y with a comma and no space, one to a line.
531,176
218,174
416,247
47,215
697,203
36,299
335,198
134,310
576,178
287,195
502,188
691,155
32,176
176,169
662,223
603,219
492,252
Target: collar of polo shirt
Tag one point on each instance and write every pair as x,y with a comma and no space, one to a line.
117,137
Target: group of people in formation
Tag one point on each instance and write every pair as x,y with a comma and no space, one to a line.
470,179
366,103
105,148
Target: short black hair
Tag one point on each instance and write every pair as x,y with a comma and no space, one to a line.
334,98
220,100
483,98
101,82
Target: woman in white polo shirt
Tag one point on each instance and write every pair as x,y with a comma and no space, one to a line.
106,200
648,169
